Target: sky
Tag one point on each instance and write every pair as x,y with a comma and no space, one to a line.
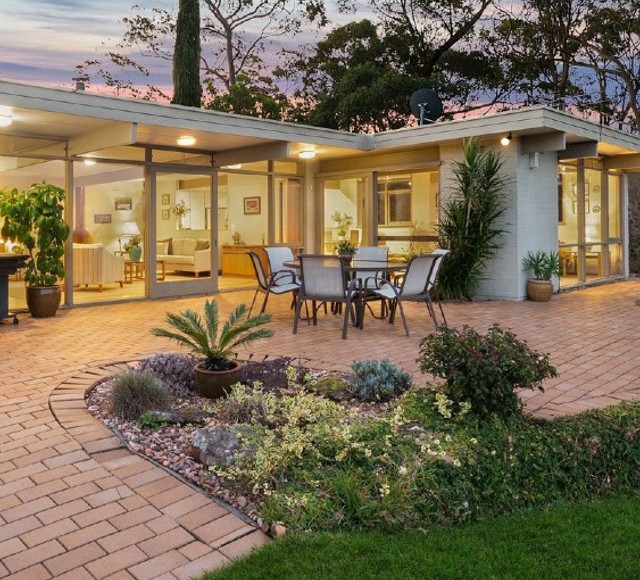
42,41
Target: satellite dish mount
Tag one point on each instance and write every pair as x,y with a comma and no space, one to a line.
426,106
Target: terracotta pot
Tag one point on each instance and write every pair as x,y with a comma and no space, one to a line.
539,290
43,301
215,384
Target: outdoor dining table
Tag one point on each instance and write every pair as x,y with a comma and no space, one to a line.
382,269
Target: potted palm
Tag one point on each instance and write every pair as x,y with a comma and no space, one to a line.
543,265
216,370
35,219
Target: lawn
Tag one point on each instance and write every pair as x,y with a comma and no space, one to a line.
598,539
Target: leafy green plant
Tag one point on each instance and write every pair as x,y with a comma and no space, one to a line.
345,247
469,226
204,339
133,393
484,370
343,222
542,264
35,218
378,380
150,420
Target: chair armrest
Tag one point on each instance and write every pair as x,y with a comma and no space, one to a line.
280,277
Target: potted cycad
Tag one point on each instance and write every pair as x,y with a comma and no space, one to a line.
35,218
216,370
543,265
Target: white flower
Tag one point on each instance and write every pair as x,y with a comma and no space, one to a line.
402,470
456,463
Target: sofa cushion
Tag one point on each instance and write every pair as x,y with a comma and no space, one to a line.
175,259
184,246
202,244
162,248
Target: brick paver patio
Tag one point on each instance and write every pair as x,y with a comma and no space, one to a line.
74,503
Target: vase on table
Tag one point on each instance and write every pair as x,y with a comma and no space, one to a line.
135,253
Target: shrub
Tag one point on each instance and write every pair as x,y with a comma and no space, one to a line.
133,393
378,380
151,420
174,370
484,370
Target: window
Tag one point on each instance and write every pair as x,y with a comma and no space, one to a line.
394,200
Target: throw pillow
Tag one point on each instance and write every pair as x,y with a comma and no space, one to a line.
169,245
188,247
162,248
202,244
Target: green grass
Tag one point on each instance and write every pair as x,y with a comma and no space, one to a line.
598,540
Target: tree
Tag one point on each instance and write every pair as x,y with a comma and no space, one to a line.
186,57
234,37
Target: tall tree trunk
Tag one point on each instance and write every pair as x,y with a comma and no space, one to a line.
187,89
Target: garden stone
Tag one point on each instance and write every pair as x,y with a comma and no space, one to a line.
218,445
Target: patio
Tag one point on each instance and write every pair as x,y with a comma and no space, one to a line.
74,504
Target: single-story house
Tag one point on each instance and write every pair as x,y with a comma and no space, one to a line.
129,166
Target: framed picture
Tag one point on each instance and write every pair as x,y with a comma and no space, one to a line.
165,214
102,218
166,199
251,205
124,204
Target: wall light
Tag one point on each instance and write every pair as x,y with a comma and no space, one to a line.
186,141
307,154
506,140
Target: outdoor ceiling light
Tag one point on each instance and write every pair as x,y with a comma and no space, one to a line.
88,161
307,154
506,140
6,116
186,141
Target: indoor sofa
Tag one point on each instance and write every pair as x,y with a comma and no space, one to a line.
185,255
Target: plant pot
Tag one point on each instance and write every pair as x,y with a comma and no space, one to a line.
135,252
346,258
43,301
539,290
215,384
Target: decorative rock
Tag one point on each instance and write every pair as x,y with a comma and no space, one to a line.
218,445
278,530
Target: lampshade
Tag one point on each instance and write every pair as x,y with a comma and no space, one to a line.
130,229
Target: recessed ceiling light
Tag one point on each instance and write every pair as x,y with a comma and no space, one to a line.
6,117
234,166
307,154
89,161
186,141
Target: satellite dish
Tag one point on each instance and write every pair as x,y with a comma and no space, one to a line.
426,106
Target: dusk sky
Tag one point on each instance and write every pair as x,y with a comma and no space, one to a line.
43,40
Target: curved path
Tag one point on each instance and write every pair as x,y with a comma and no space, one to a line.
74,503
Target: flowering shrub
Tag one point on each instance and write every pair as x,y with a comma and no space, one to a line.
484,370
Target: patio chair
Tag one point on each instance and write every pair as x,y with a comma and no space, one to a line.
277,256
369,279
434,278
324,280
416,285
267,283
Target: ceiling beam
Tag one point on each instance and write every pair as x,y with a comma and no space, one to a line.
269,151
541,143
114,136
579,150
631,161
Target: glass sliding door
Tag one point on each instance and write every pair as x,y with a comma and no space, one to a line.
589,226
350,199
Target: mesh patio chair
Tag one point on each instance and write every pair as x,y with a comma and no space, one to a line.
277,256
434,278
324,280
267,283
416,285
369,279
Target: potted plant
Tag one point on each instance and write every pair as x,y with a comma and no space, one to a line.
215,370
35,219
345,249
343,222
544,266
134,248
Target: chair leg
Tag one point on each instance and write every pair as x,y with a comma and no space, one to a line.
253,302
296,315
345,324
441,310
432,311
404,318
264,302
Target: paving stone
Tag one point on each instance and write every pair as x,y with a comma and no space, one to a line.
74,558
